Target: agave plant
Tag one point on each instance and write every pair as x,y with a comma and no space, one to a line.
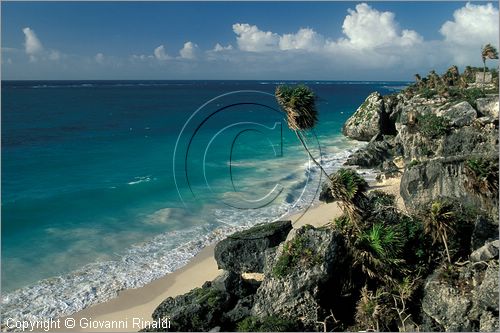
348,187
439,222
299,105
488,52
377,251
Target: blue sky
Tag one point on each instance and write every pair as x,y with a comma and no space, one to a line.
259,40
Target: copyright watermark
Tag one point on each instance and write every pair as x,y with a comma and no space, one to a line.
234,149
85,323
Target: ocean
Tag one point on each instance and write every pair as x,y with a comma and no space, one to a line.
108,185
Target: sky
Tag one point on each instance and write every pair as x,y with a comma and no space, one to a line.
242,40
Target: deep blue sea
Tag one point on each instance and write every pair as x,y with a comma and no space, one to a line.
107,185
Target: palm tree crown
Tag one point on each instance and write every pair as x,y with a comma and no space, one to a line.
299,105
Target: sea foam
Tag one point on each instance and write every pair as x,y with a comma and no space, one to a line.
142,263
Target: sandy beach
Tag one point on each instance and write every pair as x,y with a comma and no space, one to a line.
141,302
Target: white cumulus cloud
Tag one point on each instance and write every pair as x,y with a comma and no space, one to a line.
189,50
219,48
160,53
251,38
472,23
366,27
472,27
304,39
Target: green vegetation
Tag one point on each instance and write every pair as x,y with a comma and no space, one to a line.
439,223
210,296
381,199
266,324
378,250
348,187
432,126
296,251
427,92
482,176
413,163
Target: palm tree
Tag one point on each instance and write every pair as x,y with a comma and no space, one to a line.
377,251
488,52
299,104
439,223
348,187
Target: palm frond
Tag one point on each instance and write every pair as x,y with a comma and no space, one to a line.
299,104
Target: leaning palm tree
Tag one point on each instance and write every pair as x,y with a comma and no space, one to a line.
488,52
299,105
439,223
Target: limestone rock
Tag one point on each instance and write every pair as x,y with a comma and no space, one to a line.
243,252
463,298
486,252
460,114
368,119
488,106
372,155
295,287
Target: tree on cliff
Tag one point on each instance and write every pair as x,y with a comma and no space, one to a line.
299,105
488,52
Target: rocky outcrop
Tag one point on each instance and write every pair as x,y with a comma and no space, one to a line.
429,180
244,251
372,155
486,252
368,120
459,115
463,298
307,276
488,106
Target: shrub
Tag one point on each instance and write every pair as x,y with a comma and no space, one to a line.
482,176
433,126
413,163
471,95
380,199
296,251
427,92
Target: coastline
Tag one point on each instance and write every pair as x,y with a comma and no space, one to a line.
141,302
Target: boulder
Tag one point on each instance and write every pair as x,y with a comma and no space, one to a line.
199,310
486,252
488,106
368,119
219,303
370,156
432,179
306,277
463,298
244,251
460,114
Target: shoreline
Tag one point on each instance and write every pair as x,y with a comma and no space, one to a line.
141,302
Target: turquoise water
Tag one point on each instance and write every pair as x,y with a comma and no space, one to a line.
90,204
